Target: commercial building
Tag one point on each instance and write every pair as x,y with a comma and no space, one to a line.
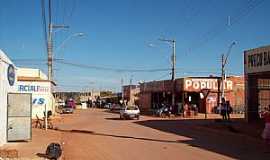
131,94
78,96
35,82
192,90
257,81
7,85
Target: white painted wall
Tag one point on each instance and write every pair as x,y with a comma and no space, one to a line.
4,89
31,72
41,96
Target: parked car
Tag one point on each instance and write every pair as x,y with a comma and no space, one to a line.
129,112
115,108
67,109
108,105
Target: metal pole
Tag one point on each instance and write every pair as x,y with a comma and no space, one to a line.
222,76
122,88
173,58
46,118
50,44
173,73
205,115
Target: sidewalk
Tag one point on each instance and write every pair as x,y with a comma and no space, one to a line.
40,140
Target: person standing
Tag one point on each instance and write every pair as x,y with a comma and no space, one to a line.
228,110
266,131
223,109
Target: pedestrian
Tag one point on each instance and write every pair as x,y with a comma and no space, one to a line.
228,110
223,109
186,110
88,103
266,131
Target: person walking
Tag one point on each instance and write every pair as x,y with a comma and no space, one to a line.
223,109
228,110
266,131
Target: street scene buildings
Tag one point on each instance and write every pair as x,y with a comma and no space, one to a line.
144,80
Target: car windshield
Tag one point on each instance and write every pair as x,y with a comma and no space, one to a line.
132,108
67,106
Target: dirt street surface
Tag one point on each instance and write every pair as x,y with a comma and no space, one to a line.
100,135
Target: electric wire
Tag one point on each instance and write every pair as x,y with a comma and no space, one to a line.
44,23
219,28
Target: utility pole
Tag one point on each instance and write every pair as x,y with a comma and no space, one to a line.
223,64
222,76
50,42
50,45
122,88
173,59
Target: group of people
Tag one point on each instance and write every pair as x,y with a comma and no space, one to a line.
226,109
189,110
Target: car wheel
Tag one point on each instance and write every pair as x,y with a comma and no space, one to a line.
138,117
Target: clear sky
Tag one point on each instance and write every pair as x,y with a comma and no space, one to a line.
123,34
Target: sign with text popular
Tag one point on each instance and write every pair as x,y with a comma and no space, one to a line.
199,84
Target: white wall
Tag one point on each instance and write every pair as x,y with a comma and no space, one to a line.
4,89
31,72
41,96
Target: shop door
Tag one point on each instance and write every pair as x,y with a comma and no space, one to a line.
19,117
263,94
263,100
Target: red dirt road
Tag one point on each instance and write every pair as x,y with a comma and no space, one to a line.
100,135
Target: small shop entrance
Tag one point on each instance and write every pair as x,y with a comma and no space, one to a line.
193,99
258,95
159,98
263,94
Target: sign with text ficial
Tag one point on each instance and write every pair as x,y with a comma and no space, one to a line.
32,88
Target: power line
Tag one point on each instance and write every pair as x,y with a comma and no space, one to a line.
113,69
218,29
44,23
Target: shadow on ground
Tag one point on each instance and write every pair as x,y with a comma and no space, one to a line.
42,155
117,136
117,119
226,140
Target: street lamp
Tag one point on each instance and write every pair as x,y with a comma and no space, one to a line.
223,64
80,34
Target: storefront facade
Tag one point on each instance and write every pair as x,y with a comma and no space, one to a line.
257,81
35,82
7,85
190,90
131,94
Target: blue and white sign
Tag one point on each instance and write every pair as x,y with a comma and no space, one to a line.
32,88
38,101
11,75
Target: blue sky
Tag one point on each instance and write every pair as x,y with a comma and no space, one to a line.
118,34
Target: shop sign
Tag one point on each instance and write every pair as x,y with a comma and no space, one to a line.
211,84
32,88
38,101
11,75
257,60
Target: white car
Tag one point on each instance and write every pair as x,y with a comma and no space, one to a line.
129,112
